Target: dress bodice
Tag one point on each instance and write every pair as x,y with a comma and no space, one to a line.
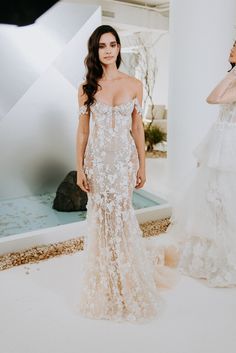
111,128
116,118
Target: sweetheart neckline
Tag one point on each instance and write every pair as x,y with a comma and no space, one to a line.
117,105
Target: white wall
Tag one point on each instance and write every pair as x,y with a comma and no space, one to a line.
160,94
201,36
28,51
39,101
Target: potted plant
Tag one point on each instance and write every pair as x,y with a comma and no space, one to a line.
153,135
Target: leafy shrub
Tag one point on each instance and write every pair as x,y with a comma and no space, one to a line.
153,135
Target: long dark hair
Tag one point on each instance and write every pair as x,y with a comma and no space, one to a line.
232,64
92,62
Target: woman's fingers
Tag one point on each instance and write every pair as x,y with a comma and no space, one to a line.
86,185
140,185
82,187
139,182
83,184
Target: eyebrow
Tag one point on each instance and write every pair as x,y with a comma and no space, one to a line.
113,42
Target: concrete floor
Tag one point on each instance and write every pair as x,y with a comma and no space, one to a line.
37,315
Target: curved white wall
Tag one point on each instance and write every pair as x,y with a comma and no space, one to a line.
201,35
160,92
42,66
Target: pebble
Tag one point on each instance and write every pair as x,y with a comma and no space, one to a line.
43,252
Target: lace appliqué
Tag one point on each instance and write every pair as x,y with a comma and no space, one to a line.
138,107
211,256
83,110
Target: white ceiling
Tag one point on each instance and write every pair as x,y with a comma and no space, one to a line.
148,3
127,28
161,6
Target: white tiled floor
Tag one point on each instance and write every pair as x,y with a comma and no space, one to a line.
37,315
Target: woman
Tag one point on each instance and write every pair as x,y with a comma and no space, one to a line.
204,222
119,279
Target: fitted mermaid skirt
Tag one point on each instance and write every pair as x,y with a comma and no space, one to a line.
122,272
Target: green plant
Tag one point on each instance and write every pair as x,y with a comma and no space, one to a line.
153,135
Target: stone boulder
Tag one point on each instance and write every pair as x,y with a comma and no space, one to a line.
69,197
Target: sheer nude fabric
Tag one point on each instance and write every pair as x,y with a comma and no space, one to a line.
120,275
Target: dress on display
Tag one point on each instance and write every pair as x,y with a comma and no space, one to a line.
204,220
120,274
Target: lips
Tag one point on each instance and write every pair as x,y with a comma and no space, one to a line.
108,57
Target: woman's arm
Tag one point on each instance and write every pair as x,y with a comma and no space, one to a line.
82,139
138,135
225,91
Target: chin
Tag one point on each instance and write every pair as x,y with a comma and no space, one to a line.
108,62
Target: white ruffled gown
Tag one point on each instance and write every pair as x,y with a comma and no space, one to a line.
204,220
121,271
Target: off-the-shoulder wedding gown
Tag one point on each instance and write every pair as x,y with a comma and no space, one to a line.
121,270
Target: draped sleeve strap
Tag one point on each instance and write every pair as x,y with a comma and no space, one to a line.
83,110
138,107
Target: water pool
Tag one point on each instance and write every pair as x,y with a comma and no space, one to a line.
25,214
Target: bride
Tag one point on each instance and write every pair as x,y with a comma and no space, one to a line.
120,277
204,222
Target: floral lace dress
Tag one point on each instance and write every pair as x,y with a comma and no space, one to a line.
120,277
204,222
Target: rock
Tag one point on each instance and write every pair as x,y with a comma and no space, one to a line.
69,196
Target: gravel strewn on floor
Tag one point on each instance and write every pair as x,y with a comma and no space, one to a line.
44,252
156,154
155,227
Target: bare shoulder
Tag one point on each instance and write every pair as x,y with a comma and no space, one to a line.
82,96
134,83
80,89
131,79
138,89
137,86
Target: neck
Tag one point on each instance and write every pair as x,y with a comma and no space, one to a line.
110,72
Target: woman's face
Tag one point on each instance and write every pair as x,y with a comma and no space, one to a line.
232,56
108,49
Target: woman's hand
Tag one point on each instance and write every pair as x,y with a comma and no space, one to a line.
140,178
82,181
